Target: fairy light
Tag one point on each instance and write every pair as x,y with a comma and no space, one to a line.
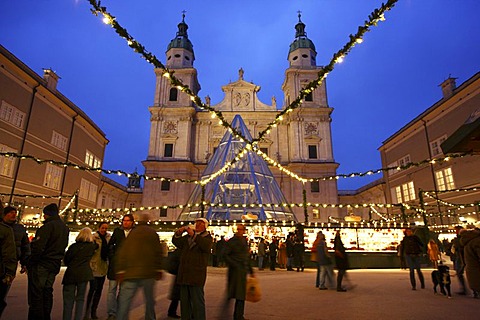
377,14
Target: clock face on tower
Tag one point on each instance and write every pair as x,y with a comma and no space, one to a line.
170,127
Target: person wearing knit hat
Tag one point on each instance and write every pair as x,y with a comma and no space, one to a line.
51,210
205,221
48,250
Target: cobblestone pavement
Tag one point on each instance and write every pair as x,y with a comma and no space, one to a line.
372,294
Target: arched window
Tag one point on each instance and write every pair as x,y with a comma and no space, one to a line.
173,94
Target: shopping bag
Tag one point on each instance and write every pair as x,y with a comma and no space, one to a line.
254,293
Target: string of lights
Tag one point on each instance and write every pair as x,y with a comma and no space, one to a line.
458,205
35,196
225,168
373,19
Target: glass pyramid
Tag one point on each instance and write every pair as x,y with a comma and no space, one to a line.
247,190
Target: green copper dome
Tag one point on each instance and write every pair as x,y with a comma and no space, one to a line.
181,40
301,40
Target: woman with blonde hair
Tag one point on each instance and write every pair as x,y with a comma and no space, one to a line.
99,265
433,252
78,273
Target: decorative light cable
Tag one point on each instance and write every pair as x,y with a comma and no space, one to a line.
34,196
459,205
378,213
376,16
455,190
68,204
243,152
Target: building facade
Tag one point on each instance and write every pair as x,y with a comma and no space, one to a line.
38,121
427,186
183,138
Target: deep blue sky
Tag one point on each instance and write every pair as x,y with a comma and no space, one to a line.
385,82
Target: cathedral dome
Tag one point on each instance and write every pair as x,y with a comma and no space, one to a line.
181,40
301,39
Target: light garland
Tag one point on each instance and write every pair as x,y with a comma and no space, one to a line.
34,196
458,205
242,153
373,19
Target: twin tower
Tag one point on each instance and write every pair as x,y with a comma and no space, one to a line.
185,139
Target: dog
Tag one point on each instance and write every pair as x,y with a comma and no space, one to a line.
441,277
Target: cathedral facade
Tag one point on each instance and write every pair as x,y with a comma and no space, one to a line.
183,138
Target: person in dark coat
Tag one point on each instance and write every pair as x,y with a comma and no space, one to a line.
290,251
21,237
78,274
8,262
48,250
412,248
117,238
272,252
196,246
325,264
341,260
299,253
22,246
173,265
139,265
470,239
459,260
237,256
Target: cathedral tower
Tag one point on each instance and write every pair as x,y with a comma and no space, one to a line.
171,123
309,128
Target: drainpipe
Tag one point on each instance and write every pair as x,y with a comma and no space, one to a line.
74,118
17,169
432,170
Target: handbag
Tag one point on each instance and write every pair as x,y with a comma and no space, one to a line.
254,293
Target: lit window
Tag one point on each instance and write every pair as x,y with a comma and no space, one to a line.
7,163
52,177
91,160
404,192
444,179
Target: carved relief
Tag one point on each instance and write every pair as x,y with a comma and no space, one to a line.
237,98
246,98
241,100
170,127
311,128
218,131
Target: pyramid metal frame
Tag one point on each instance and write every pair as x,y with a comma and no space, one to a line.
247,182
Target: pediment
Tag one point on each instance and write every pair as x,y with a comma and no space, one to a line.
241,95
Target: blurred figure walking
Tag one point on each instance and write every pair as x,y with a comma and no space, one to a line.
341,260
78,273
139,265
195,246
237,256
412,248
